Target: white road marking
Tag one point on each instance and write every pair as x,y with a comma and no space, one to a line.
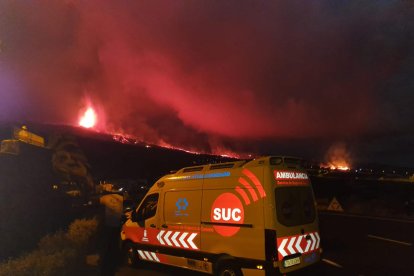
332,263
390,240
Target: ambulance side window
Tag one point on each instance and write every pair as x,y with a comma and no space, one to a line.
148,208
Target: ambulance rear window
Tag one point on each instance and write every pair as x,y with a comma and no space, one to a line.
294,205
293,162
289,162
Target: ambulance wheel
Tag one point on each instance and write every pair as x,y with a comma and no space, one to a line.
229,270
130,255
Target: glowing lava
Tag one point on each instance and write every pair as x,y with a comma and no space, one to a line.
340,167
89,118
336,165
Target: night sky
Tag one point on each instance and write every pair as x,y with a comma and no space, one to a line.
261,77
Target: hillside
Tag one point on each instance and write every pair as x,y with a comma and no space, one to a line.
33,183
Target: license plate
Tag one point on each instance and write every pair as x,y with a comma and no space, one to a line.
291,262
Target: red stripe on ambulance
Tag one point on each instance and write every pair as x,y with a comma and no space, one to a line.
242,193
247,173
256,182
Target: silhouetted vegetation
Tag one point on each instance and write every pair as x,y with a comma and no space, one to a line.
62,253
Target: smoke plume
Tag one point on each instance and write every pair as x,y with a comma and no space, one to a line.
207,75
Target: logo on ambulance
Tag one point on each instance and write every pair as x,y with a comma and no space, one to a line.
227,209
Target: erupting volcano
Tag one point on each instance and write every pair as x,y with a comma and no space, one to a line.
258,77
89,118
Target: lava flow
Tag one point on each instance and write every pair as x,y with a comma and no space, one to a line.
89,119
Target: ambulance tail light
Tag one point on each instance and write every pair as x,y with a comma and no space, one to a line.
271,244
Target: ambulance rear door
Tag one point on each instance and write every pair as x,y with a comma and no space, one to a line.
298,240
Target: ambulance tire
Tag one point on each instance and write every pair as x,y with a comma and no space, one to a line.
130,255
229,270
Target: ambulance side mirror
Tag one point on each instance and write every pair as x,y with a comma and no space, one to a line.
127,214
135,217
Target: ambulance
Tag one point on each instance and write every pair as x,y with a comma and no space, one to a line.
252,217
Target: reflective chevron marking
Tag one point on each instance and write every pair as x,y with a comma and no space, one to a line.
141,254
177,239
182,240
318,238
281,247
290,248
148,256
313,241
159,237
190,241
155,257
307,245
166,238
174,237
296,244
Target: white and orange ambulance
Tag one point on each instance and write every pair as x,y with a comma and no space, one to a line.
240,218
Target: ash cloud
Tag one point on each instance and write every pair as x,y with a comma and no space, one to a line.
209,75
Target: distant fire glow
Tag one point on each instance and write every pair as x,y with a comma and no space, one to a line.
89,118
339,167
338,158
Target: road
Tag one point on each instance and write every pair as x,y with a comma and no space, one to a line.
353,245
367,245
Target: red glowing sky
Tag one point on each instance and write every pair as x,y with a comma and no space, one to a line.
213,75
